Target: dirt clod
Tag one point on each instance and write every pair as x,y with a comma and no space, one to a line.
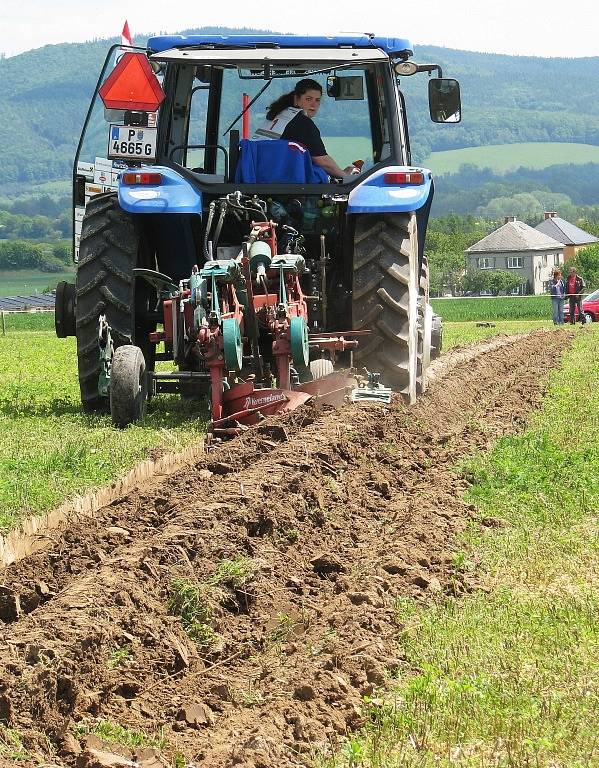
196,715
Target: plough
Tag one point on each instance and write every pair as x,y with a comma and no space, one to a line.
238,330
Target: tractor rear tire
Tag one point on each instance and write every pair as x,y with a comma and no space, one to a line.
385,298
128,386
108,253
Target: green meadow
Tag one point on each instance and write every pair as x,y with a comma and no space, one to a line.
508,157
50,448
493,308
27,282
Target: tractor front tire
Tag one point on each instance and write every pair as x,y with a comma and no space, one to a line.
128,386
385,298
104,286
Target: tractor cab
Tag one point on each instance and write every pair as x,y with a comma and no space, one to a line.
322,254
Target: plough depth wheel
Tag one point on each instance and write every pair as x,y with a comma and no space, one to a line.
300,352
232,344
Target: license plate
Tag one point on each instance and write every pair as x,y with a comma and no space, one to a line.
132,143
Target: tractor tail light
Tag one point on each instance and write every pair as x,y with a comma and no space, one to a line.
409,177
141,178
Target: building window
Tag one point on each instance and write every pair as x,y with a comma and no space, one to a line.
484,263
544,258
556,260
515,262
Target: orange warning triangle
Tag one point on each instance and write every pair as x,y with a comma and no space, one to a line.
132,84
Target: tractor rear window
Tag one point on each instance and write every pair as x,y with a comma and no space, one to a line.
344,125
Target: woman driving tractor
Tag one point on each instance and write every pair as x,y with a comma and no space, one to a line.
291,117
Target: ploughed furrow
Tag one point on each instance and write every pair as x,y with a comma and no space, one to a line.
293,543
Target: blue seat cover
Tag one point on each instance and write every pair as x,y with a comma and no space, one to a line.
276,161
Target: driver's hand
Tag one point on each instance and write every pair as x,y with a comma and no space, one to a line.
354,168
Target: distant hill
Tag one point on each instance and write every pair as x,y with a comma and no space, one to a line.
44,95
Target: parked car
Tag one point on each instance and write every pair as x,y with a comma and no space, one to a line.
590,308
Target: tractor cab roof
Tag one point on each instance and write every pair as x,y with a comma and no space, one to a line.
344,44
280,61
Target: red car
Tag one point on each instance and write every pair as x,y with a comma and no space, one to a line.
590,308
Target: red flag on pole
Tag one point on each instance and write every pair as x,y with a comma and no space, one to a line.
126,35
125,40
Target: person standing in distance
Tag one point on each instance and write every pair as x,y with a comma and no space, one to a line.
575,285
291,117
558,291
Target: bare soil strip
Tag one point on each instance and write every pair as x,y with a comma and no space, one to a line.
342,512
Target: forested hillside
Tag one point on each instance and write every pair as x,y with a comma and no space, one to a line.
44,95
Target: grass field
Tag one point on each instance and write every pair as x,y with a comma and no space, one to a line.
49,448
26,282
499,308
508,675
508,157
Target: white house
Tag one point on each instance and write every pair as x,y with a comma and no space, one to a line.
517,247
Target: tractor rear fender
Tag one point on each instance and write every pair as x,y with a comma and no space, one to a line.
378,194
174,194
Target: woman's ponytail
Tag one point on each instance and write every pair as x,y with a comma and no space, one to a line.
284,101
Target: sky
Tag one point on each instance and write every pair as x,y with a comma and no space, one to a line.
517,27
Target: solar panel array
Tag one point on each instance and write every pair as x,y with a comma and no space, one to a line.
41,301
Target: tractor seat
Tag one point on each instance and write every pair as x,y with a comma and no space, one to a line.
276,161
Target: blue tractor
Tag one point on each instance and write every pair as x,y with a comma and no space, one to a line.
207,236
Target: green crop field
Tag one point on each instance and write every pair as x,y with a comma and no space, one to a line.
508,157
49,448
26,282
496,308
508,674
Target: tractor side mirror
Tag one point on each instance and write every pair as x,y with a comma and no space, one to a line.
444,100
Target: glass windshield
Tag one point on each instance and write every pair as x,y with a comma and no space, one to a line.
344,123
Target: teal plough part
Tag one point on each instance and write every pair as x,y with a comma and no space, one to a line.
293,262
300,351
226,271
214,302
282,288
373,390
232,344
164,286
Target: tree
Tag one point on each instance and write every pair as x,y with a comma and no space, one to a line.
587,265
446,269
474,280
502,281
